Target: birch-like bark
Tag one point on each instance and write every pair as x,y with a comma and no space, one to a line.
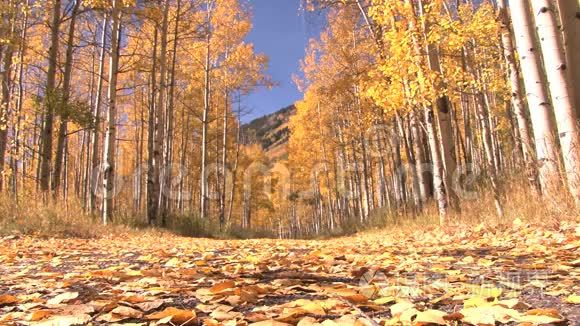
6,81
171,105
19,105
420,159
561,92
443,117
486,138
111,132
516,87
158,178
151,194
570,18
204,195
538,102
93,177
224,162
438,172
325,167
235,167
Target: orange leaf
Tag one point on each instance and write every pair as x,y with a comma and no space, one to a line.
39,314
221,287
178,316
7,299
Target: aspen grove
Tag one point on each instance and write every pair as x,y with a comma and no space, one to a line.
132,111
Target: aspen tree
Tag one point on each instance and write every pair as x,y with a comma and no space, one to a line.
63,128
95,150
517,102
48,118
561,92
109,158
6,58
443,115
204,195
569,16
158,141
536,94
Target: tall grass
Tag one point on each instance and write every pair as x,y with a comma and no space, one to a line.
518,200
31,215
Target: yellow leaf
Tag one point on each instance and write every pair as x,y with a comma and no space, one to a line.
400,307
573,299
63,298
477,301
431,317
384,300
173,262
540,320
269,322
66,320
127,312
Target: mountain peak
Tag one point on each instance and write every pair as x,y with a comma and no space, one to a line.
271,132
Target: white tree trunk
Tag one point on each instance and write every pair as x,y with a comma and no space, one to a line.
438,171
158,141
561,92
204,192
570,18
538,102
97,120
443,117
514,79
111,133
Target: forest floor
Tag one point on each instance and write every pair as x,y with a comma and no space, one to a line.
515,274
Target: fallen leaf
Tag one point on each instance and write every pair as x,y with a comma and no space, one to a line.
544,312
222,286
150,305
573,299
7,299
269,322
40,314
400,307
431,317
178,316
127,312
384,300
65,320
63,298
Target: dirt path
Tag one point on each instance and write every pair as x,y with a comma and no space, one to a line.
508,275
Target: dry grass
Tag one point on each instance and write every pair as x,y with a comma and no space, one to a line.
31,215
519,202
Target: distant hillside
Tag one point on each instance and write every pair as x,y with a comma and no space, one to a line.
271,131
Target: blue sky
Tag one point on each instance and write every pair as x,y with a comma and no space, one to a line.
280,31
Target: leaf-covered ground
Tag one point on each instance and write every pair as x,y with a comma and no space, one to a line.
516,274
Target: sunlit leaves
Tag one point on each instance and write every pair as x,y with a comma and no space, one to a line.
165,279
